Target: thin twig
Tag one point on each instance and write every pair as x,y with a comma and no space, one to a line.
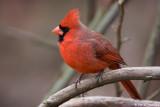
119,40
118,89
133,73
101,101
108,18
153,95
119,27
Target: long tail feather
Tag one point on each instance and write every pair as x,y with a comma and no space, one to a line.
130,88
128,85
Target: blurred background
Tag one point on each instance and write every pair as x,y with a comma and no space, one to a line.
29,57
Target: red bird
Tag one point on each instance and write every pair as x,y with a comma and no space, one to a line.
86,51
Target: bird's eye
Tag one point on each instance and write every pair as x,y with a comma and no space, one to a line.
66,28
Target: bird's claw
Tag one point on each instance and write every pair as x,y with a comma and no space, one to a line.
78,81
99,75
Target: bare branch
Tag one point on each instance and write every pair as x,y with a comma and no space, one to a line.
119,40
133,73
154,95
119,27
100,101
109,17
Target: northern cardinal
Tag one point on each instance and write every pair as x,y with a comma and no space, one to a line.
86,51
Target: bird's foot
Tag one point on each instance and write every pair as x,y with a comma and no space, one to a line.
99,75
78,81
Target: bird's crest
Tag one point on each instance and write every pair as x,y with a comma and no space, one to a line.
71,20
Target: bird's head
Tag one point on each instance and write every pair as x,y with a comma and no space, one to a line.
70,21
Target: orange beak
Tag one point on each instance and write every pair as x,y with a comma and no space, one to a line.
58,31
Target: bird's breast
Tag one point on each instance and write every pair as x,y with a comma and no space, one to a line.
81,57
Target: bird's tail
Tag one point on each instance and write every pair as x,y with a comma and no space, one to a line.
128,85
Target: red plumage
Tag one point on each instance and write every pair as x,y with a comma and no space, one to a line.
87,51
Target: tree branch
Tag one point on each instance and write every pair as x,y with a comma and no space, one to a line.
100,101
133,73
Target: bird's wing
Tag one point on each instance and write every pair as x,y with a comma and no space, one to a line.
104,50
